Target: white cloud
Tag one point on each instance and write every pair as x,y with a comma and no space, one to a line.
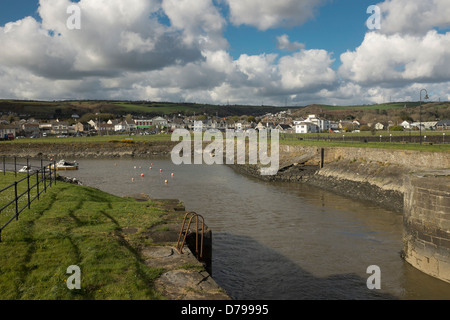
271,14
283,43
307,70
200,21
116,36
414,16
398,59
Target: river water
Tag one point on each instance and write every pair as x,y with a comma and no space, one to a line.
278,241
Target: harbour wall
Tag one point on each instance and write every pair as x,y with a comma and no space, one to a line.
427,222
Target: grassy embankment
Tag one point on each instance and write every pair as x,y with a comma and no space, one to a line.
75,225
348,140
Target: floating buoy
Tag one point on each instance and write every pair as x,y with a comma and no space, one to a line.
135,167
142,175
172,174
160,170
152,164
132,179
167,181
151,168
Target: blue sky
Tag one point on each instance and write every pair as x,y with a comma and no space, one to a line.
338,27
217,51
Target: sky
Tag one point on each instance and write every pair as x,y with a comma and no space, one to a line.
283,53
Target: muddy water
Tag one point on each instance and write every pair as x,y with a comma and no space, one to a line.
278,241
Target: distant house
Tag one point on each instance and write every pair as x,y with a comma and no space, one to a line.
125,126
284,128
379,126
406,125
5,130
60,128
306,127
31,129
78,127
143,123
105,128
260,126
443,125
160,122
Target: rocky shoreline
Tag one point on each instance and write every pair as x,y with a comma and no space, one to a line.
368,182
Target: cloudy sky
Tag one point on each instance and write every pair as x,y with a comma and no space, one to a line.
284,52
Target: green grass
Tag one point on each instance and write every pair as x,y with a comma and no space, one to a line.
74,225
378,145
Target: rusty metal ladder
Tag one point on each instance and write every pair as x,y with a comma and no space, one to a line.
180,244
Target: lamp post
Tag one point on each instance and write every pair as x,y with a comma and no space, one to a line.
420,111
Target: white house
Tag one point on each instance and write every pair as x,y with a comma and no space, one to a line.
159,122
406,125
323,125
124,126
379,126
306,127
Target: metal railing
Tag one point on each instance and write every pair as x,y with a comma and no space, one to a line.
187,232
21,197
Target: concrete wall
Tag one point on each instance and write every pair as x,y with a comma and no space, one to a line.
406,158
427,223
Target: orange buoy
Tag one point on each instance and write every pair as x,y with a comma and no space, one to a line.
167,181
142,175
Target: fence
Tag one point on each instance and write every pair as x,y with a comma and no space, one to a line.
436,139
18,196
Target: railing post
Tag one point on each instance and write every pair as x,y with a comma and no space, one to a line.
15,169
50,173
28,190
17,201
37,183
4,165
45,182
54,168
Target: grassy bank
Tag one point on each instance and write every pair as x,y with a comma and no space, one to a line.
348,140
75,225
378,145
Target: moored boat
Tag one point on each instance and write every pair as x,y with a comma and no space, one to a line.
65,165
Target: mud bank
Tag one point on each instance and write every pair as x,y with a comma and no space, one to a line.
374,175
381,185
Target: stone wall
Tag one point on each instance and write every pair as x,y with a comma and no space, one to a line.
427,223
405,158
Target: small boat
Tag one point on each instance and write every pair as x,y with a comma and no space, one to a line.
65,165
26,169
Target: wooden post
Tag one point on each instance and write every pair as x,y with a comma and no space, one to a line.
322,157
